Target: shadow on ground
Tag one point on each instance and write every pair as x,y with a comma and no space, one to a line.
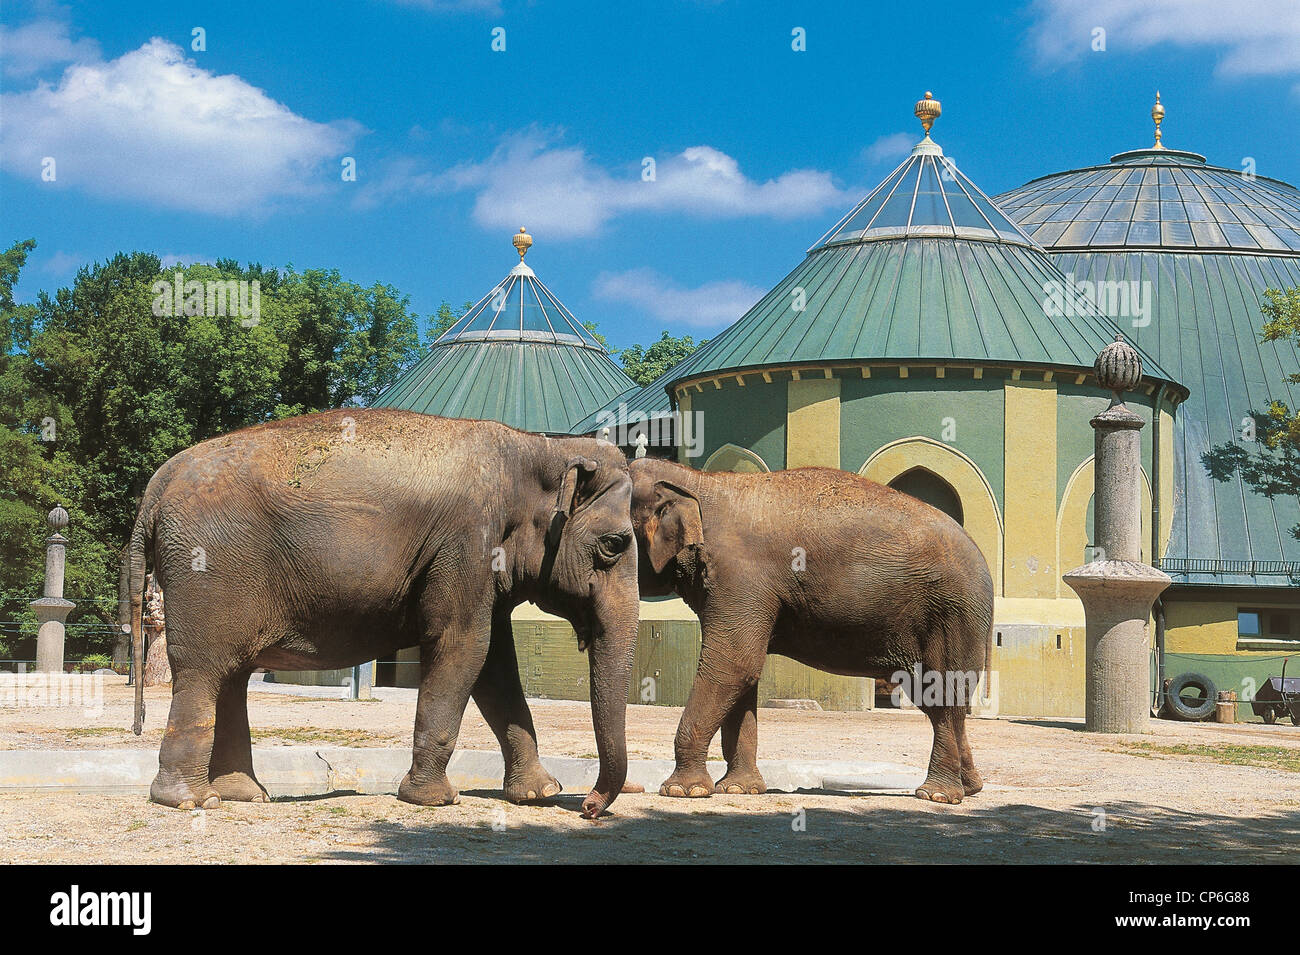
882,829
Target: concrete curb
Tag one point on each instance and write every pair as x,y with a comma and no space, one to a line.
313,771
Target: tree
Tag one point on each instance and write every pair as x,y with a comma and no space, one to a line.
644,365
445,317
1267,457
105,381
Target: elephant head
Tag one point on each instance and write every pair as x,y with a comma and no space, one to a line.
668,523
588,576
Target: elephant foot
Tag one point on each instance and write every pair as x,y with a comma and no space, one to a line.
971,781
532,784
937,790
632,788
741,782
689,784
239,786
438,792
170,790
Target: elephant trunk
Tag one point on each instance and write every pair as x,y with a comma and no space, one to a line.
610,659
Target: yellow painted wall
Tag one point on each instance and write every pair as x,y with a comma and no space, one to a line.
1200,627
1033,676
683,406
1165,426
812,434
1029,518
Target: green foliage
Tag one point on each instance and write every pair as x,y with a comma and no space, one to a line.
95,661
644,365
444,318
103,382
1269,464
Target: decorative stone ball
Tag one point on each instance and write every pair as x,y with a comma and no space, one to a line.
1118,367
58,519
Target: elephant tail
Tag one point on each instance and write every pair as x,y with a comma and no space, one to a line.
130,605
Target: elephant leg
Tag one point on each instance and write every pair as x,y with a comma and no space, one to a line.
182,781
943,780
740,747
971,780
726,672
231,768
500,698
449,667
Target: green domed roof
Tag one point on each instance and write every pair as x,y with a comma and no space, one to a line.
1204,242
518,356
1163,199
926,268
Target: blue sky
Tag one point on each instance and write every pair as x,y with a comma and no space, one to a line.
236,150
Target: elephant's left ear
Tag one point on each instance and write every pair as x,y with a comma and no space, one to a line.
676,524
574,471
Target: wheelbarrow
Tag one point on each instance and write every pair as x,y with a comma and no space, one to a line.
1278,697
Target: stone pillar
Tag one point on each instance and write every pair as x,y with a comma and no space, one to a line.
52,610
1116,588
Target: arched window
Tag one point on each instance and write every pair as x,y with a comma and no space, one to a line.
925,485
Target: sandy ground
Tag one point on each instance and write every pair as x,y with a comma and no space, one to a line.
1055,794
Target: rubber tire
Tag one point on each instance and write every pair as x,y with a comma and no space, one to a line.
1192,714
1270,715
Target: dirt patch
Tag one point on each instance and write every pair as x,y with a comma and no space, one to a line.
1185,792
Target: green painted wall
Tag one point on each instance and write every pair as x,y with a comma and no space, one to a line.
752,417
883,408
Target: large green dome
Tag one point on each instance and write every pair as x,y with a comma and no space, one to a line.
1203,242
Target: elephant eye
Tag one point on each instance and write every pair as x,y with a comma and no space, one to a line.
615,543
611,545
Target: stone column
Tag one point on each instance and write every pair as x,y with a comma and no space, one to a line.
52,610
1116,588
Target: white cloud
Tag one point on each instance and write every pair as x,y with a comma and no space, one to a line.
892,146
1259,39
529,181
60,262
711,305
151,125
30,48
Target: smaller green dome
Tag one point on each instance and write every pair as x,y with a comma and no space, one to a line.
518,356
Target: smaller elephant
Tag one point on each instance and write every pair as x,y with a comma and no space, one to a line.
827,568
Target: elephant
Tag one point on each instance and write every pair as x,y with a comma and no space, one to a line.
827,568
331,539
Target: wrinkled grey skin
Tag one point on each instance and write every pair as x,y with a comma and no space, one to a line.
886,582
332,539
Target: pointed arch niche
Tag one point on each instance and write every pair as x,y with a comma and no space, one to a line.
1074,521
979,509
732,457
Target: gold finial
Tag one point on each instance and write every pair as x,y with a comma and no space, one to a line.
522,242
927,111
1158,114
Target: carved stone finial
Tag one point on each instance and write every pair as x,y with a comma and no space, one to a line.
1118,367
57,519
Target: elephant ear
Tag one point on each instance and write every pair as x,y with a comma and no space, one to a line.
675,525
574,470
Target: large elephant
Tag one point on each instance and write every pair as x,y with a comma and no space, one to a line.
335,538
830,569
